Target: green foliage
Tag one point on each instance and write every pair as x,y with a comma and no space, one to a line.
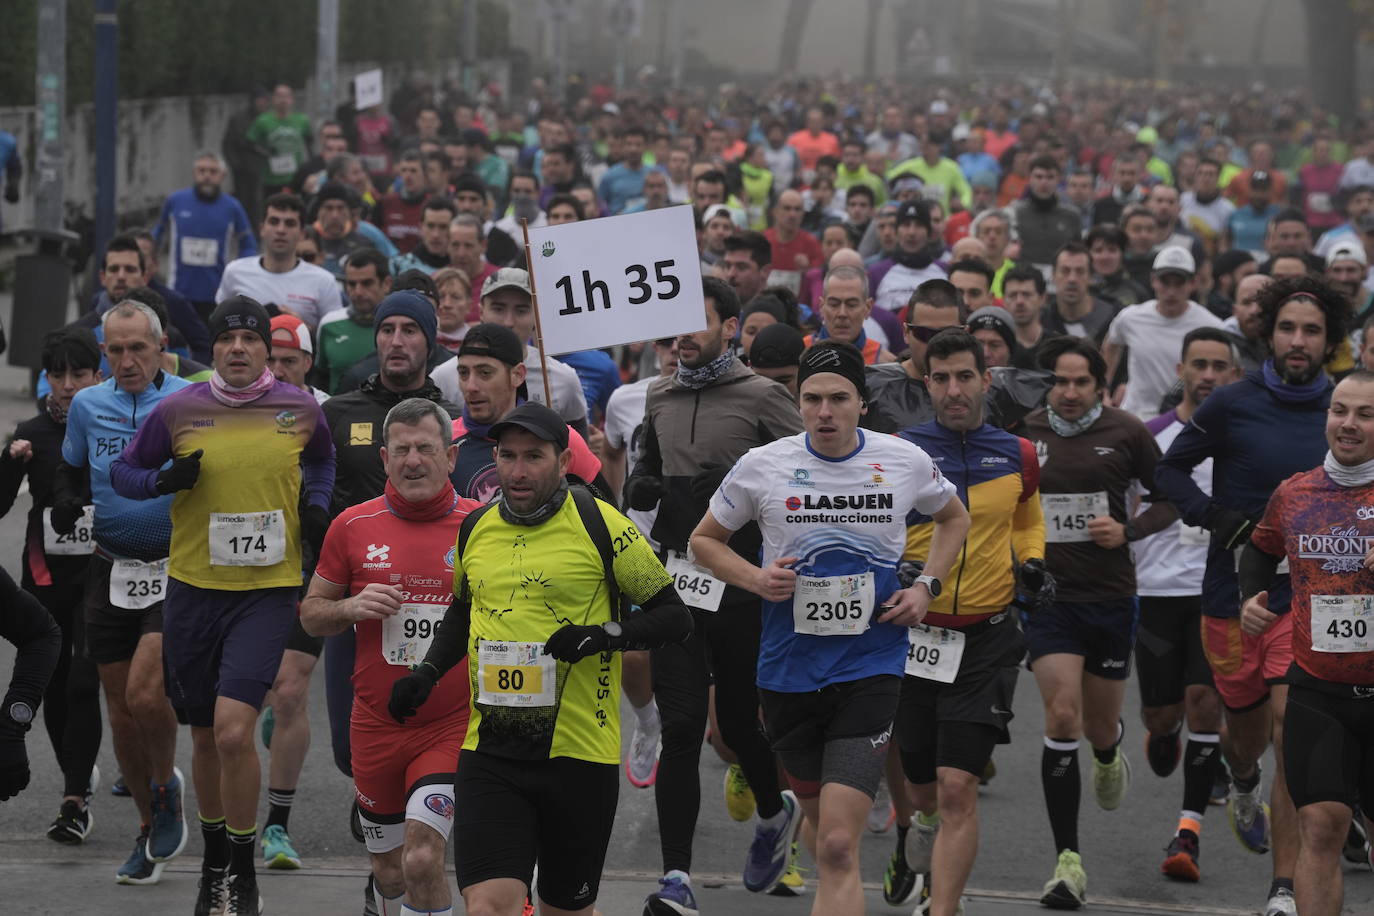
192,47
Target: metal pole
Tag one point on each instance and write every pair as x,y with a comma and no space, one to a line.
51,104
470,48
106,119
326,59
538,325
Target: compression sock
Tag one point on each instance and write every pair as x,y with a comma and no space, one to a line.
279,806
216,843
1060,779
1107,755
1281,884
647,714
241,851
1201,756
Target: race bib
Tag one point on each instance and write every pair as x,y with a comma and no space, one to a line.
1342,623
515,674
1067,515
1189,536
77,544
832,605
374,162
1319,202
247,538
934,653
695,586
406,635
791,279
282,164
135,585
199,252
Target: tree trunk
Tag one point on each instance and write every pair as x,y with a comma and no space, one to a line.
1331,36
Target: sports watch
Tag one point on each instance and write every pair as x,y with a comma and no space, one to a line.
613,629
931,583
21,714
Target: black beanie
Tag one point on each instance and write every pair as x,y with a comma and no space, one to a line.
241,314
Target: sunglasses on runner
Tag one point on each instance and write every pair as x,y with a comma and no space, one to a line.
924,334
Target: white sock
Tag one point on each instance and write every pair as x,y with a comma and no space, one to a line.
680,875
387,906
407,909
647,714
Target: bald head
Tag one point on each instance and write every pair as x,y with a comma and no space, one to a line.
787,212
846,257
969,247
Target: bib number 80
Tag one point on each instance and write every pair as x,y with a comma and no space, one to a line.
837,610
510,679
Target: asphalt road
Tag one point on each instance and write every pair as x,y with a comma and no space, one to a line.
1122,849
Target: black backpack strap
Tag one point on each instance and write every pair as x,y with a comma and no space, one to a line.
469,523
595,524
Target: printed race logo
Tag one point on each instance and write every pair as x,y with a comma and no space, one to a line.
441,805
793,503
286,419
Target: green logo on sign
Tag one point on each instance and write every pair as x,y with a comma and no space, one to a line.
547,249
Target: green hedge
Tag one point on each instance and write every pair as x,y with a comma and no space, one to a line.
191,47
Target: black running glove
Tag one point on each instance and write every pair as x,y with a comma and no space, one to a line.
410,692
1233,528
65,514
572,643
14,762
705,482
643,493
181,475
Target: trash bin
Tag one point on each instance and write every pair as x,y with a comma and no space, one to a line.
42,289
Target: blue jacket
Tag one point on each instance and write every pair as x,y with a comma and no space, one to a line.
201,232
1255,442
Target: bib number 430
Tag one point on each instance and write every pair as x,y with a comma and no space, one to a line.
641,291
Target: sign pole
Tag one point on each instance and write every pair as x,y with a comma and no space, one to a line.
538,325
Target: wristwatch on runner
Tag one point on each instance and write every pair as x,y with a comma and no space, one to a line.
613,629
931,583
21,714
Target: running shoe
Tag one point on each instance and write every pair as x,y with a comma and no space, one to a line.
268,726
883,813
739,798
214,885
641,764
93,783
370,899
1221,787
73,824
771,848
1068,889
673,898
277,851
1180,860
138,868
923,905
118,789
1356,842
1281,904
1249,816
921,844
1111,780
793,883
1163,752
899,879
169,833
244,899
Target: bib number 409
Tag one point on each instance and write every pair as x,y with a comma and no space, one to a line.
641,291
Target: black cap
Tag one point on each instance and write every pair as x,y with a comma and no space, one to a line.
333,190
917,211
776,347
417,280
494,340
534,418
468,181
241,313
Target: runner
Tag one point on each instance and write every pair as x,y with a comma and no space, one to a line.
1317,520
242,446
539,775
1258,432
1175,679
829,703
697,424
126,579
54,569
37,641
1080,644
961,669
393,598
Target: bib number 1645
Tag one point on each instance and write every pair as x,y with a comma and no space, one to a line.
642,289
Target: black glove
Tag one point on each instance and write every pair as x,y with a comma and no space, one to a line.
1038,582
314,524
706,482
12,193
410,692
14,763
65,514
1233,528
181,475
643,493
908,571
572,643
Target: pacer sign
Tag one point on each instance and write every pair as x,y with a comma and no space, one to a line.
618,280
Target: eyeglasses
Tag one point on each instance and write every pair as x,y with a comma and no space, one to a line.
924,334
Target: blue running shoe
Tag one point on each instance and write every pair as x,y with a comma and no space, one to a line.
168,836
673,898
269,725
139,869
772,847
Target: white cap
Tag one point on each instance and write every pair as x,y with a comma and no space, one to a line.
939,106
1347,251
1175,258
716,210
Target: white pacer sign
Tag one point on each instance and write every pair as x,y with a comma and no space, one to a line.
617,280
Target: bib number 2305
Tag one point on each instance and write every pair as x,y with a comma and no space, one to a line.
832,605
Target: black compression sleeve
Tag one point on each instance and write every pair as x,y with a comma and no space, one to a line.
661,621
1255,571
28,625
450,644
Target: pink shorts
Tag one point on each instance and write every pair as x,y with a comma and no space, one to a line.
1244,666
